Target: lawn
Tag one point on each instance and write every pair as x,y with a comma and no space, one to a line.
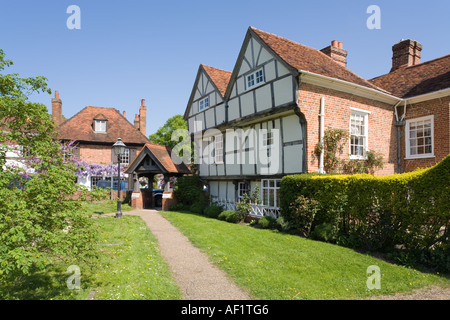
129,267
273,265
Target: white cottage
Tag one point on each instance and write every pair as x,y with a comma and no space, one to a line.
245,126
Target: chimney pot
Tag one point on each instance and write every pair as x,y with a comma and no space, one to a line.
56,94
143,102
336,52
124,114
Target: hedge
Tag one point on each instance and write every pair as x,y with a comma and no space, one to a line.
409,210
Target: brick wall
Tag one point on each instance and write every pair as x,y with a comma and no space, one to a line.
96,154
382,132
440,108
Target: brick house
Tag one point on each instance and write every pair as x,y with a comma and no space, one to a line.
263,120
95,130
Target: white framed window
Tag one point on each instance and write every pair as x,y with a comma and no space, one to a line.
420,137
125,157
255,78
359,133
218,149
270,192
267,139
243,188
203,104
100,126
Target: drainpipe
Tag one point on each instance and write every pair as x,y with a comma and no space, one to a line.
399,123
321,132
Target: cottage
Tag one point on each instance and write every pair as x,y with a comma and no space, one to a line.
262,121
94,130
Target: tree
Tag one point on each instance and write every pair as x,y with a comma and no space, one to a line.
39,219
164,134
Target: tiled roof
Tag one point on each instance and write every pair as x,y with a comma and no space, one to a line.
219,77
163,155
80,127
415,80
304,58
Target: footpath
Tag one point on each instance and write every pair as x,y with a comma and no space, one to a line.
194,273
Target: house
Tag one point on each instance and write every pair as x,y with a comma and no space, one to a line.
263,120
94,130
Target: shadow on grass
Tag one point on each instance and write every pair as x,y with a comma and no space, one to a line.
47,284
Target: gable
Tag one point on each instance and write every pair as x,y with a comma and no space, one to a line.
156,158
260,81
210,83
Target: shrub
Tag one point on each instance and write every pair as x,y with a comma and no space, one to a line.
197,208
378,213
189,190
230,216
302,213
212,211
268,222
176,207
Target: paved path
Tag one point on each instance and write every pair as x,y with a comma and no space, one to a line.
196,276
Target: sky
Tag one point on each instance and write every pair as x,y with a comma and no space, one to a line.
130,50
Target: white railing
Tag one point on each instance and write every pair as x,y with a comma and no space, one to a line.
258,211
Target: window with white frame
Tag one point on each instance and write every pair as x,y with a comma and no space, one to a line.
255,78
358,133
267,139
243,188
100,126
270,192
218,149
125,157
203,104
420,137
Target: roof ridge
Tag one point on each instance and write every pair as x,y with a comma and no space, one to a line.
334,62
426,62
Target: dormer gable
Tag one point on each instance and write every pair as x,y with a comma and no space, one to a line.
100,123
209,89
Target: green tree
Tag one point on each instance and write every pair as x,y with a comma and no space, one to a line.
164,134
39,220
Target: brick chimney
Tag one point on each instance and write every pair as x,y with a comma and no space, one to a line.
143,118
57,109
336,52
136,121
406,53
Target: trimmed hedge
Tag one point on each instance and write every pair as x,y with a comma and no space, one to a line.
409,210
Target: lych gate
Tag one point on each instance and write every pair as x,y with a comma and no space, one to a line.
153,159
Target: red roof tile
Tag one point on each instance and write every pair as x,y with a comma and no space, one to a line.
219,77
415,80
163,155
80,127
304,58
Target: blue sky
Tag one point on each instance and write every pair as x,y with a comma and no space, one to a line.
130,50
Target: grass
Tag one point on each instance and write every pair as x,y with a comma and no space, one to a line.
102,207
273,265
129,267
